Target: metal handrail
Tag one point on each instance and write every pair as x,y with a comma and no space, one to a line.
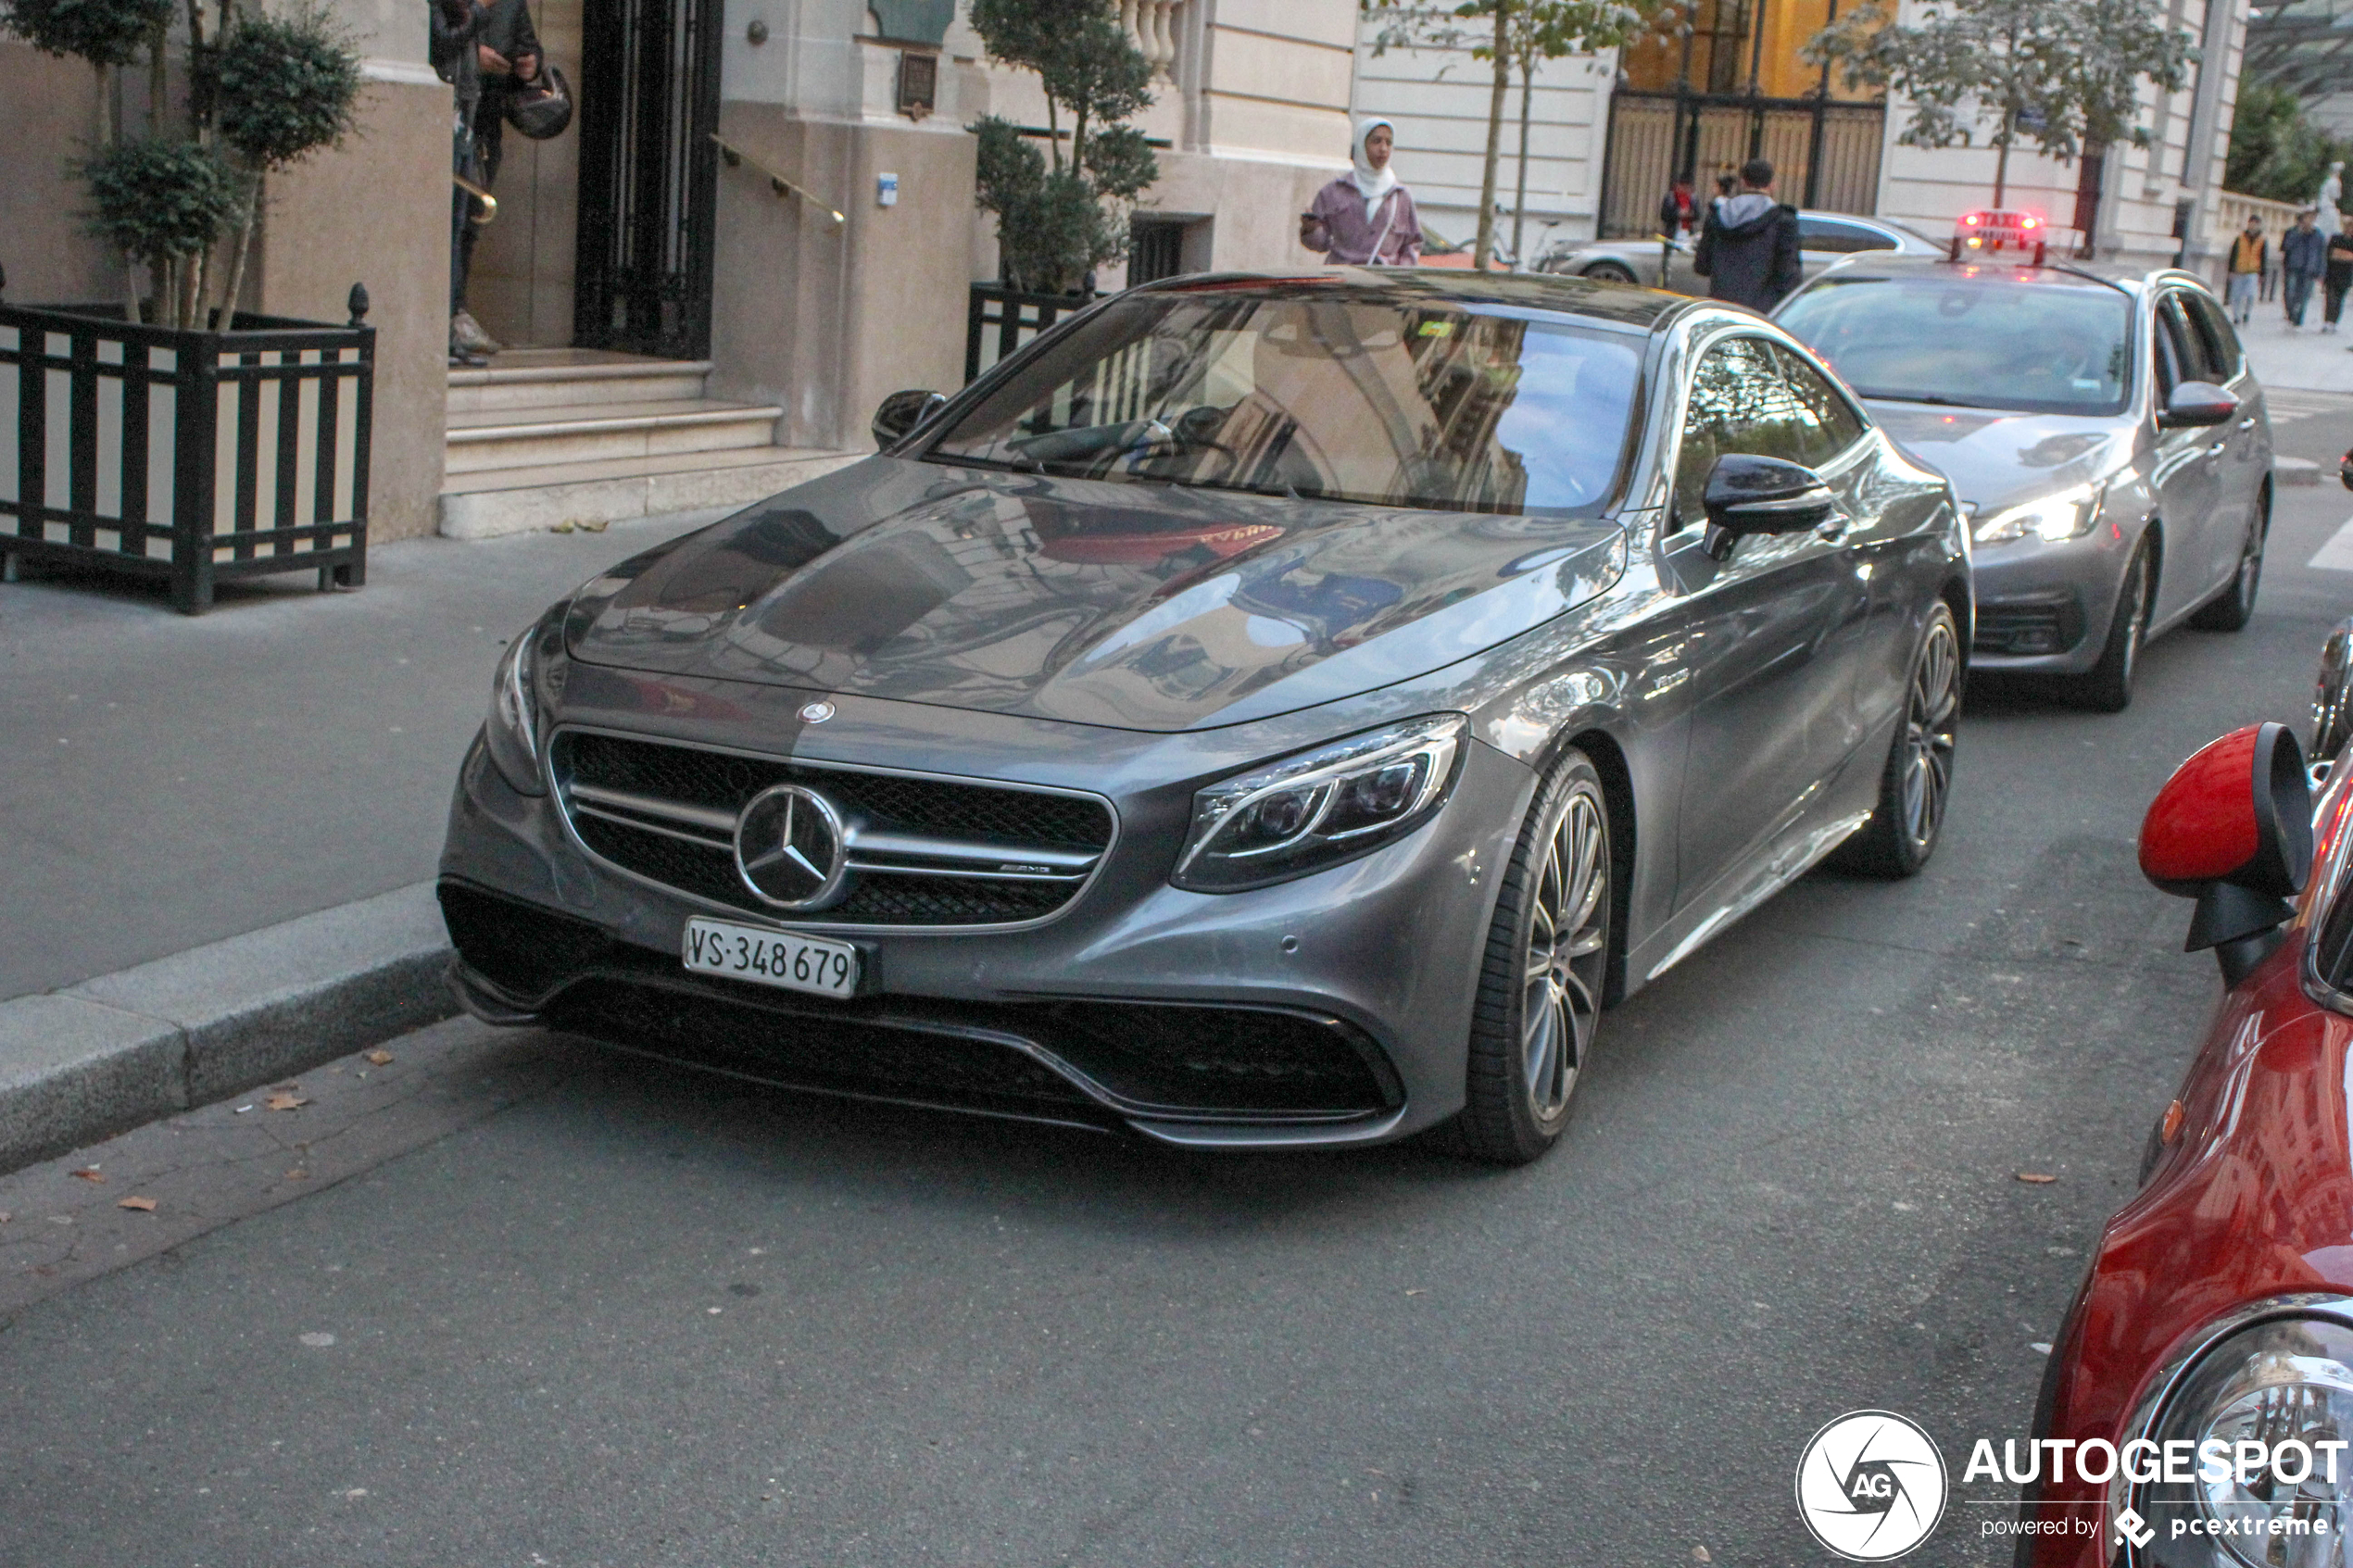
489,202
776,182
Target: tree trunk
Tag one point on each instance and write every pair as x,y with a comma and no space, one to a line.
2002,163
1520,198
1054,134
237,265
1485,251
158,81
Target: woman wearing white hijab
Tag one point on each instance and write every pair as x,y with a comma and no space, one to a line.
1366,217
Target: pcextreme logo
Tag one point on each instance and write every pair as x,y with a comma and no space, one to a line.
1870,1485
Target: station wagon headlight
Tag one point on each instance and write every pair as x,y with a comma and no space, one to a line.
1321,808
511,732
2062,514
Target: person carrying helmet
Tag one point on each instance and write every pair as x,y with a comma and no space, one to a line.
1748,246
489,51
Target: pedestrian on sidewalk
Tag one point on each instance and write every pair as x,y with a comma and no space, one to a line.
1366,217
487,51
2337,278
2250,252
2303,257
1748,245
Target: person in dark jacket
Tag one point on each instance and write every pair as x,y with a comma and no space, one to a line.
2337,278
2303,257
486,50
1748,247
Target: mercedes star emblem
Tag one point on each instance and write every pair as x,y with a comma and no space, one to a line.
816,712
791,849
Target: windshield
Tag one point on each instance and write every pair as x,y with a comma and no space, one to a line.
1976,342
1397,402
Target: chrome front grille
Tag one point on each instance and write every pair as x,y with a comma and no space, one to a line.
921,851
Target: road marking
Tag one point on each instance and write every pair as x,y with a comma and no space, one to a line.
2288,403
2337,554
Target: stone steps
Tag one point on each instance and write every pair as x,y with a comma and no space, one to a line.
543,438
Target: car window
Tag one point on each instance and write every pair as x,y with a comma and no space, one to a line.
1830,424
1740,401
1397,400
1830,234
2224,358
1977,338
2177,353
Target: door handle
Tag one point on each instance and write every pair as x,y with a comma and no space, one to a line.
2248,424
2217,449
1833,529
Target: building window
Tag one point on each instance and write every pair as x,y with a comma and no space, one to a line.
1155,249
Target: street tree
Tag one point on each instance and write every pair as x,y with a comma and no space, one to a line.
2276,151
1510,35
1056,218
2064,75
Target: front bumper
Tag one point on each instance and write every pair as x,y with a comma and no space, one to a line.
1333,1009
2043,607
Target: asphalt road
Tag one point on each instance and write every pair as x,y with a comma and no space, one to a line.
514,1299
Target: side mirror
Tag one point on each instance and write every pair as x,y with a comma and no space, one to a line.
2198,402
2344,471
902,412
2331,711
1749,494
2233,828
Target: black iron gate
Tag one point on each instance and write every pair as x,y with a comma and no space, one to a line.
648,176
1825,152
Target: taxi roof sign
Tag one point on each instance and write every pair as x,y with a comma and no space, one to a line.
1992,230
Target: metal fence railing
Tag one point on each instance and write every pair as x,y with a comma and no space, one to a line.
192,456
1001,320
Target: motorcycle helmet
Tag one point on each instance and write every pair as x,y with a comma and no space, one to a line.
541,108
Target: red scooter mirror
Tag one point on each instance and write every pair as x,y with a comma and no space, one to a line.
2233,828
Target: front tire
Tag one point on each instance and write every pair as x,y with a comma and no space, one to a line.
1610,272
1540,986
1918,779
2235,607
2106,688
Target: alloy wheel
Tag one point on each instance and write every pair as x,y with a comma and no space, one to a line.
1567,952
1930,724
2136,589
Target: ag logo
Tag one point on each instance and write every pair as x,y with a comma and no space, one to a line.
1870,1485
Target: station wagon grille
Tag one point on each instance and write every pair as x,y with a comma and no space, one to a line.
922,851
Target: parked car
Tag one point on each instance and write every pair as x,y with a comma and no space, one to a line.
1824,238
2103,428
1507,638
2218,1305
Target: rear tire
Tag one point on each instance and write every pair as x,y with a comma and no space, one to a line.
1918,779
2236,606
1609,273
2106,688
1540,986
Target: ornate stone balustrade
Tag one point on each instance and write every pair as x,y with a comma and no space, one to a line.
1153,24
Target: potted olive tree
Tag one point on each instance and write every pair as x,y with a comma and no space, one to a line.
201,442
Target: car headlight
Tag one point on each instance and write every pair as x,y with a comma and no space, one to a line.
2062,514
1320,808
511,732
2249,1465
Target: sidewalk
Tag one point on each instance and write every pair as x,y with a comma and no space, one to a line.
2308,360
170,781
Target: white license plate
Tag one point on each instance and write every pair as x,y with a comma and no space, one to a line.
770,958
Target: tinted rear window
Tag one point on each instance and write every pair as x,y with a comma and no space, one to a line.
1976,341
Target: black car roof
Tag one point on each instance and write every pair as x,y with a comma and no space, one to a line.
1618,303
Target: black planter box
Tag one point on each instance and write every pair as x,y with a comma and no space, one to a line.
191,455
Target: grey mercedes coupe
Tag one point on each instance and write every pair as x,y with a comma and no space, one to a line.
1264,712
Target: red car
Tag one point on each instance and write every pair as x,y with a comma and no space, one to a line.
2198,1409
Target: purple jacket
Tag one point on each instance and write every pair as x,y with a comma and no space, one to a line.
1338,223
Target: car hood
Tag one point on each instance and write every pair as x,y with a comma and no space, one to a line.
1995,460
1139,606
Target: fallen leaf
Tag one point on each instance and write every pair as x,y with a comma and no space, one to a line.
90,1173
241,1111
6,1216
381,1058
1699,1554
297,1175
144,1205
2036,1178
283,1101
1415,1292
597,527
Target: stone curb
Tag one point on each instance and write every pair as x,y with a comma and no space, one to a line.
92,1059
